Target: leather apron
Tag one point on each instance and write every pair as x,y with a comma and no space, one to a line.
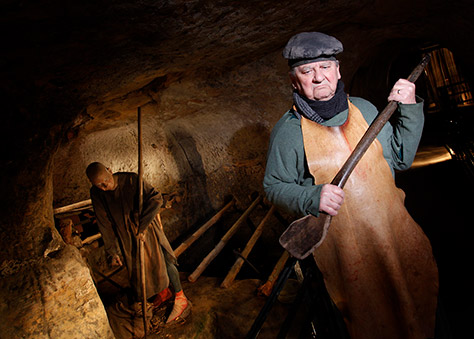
376,261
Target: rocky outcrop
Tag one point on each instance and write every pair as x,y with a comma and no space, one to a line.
51,297
46,290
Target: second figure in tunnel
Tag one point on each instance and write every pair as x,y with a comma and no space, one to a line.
114,198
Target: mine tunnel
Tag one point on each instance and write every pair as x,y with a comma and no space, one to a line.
210,82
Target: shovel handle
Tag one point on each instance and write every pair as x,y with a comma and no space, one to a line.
304,235
141,242
374,129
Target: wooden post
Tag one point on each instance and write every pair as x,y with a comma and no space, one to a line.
141,242
195,236
245,253
71,207
266,289
91,239
211,256
140,165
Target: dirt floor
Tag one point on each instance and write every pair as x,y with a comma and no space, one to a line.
224,313
216,312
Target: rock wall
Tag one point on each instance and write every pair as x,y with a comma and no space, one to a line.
205,139
46,290
51,297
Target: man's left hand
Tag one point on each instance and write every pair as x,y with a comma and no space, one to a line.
141,236
403,91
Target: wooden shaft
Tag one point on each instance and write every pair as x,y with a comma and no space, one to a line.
141,243
372,132
196,235
92,238
140,165
71,207
143,284
229,279
267,288
213,254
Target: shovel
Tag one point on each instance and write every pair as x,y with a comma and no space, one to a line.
304,235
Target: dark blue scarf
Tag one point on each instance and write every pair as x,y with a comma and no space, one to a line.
320,111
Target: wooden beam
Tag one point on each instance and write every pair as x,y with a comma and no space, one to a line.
266,289
213,254
245,253
92,238
196,235
71,207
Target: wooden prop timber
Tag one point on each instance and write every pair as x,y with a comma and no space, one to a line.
224,240
266,289
196,235
91,239
229,279
72,207
141,242
304,235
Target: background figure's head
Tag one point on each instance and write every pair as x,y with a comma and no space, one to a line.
101,176
314,68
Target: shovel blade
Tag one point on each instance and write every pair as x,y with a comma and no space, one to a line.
304,235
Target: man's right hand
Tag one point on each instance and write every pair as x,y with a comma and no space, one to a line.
116,261
331,199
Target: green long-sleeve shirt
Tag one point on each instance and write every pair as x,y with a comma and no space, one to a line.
288,183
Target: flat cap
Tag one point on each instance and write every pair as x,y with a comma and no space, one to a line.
307,47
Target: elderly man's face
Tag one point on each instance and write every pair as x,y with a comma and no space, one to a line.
316,80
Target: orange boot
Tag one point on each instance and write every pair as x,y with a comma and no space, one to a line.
162,297
181,308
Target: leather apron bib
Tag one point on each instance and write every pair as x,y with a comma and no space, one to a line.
376,261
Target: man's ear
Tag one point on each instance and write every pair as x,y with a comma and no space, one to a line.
109,170
292,79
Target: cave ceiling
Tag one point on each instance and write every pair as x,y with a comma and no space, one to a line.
62,63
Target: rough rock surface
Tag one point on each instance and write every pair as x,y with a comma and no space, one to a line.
224,313
201,141
51,297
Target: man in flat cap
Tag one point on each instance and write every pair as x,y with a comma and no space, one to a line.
376,261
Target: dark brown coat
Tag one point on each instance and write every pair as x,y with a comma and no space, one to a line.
116,216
